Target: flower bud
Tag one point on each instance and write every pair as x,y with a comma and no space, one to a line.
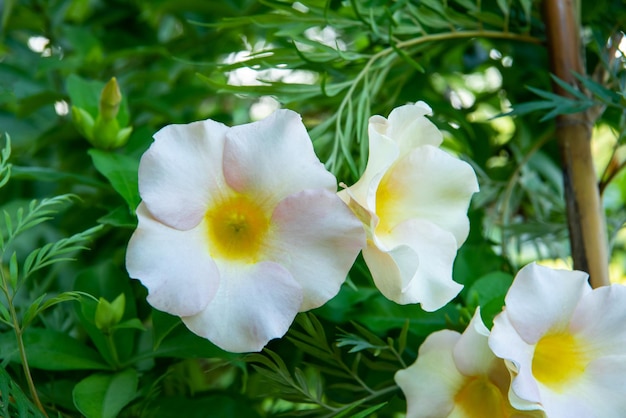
109,314
110,100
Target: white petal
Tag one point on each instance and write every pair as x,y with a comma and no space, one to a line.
428,184
409,127
254,304
472,354
275,156
382,153
174,265
542,299
507,344
434,250
600,319
392,271
316,238
431,383
600,393
180,172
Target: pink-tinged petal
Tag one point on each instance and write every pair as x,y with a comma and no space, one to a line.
600,319
472,354
275,157
432,284
432,382
427,184
409,127
253,305
542,299
182,171
174,265
316,238
507,344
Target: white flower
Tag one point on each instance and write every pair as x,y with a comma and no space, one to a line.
413,199
457,376
564,343
240,228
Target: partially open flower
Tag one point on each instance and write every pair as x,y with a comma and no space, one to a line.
457,375
564,343
413,199
240,228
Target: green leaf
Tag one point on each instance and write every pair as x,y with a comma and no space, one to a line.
119,217
489,291
162,324
216,405
48,349
121,171
38,307
104,395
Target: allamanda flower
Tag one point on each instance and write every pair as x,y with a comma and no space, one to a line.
240,228
564,343
413,199
457,376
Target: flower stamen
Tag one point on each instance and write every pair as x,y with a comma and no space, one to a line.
236,228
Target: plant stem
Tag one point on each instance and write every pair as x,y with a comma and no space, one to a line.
587,226
20,345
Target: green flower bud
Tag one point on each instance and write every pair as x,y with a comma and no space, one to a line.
109,314
84,122
110,100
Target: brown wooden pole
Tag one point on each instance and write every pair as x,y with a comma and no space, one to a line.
585,215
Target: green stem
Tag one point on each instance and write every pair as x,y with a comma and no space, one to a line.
20,345
112,349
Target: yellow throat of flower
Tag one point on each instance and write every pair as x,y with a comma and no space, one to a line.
237,228
479,398
558,360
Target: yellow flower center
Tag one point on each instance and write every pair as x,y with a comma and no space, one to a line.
558,360
387,195
236,228
480,398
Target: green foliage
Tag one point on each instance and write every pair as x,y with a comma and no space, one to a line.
104,352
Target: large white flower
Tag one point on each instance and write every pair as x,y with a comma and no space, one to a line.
564,343
413,199
457,376
240,228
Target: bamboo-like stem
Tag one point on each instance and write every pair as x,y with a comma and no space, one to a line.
587,226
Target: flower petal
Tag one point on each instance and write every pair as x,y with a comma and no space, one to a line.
506,343
180,172
254,304
409,127
595,320
431,281
382,153
472,354
542,299
317,238
252,152
431,383
174,265
428,184
599,394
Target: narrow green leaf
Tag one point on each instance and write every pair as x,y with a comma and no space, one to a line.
104,395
